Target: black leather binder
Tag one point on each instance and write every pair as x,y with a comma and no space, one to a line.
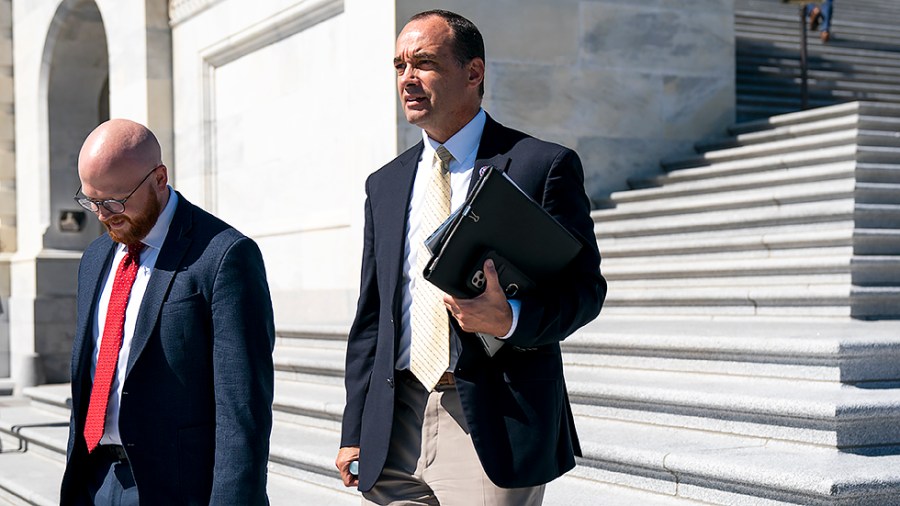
499,221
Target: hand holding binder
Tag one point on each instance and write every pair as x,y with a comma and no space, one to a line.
499,221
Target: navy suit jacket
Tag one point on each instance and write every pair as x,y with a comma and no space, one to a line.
515,403
196,409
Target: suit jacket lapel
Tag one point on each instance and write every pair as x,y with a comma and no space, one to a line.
489,151
90,280
175,246
393,217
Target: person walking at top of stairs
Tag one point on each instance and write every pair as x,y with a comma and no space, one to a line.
819,17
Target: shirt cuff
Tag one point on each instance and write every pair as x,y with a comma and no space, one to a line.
515,306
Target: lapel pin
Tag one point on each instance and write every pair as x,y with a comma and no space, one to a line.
483,170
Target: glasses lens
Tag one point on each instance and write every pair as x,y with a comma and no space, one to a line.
114,206
87,204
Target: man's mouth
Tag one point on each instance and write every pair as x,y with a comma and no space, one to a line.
415,100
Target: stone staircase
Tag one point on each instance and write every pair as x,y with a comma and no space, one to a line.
794,216
732,364
860,62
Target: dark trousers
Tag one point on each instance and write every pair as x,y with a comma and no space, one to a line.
108,481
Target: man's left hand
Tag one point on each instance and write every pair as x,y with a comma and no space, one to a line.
489,313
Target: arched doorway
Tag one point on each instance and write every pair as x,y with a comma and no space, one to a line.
77,101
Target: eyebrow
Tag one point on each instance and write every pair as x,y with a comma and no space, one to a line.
419,55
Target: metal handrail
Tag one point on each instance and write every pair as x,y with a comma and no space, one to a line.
804,63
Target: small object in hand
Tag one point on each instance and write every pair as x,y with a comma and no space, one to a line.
354,468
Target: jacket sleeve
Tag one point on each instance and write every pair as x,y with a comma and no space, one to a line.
243,340
556,310
363,337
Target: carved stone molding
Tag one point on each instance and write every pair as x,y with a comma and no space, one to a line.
182,10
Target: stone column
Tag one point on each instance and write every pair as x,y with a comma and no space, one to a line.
7,177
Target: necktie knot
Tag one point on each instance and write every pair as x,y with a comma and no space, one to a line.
134,251
444,157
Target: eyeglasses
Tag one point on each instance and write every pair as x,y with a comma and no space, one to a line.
115,206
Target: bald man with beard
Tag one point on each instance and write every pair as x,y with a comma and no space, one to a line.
172,374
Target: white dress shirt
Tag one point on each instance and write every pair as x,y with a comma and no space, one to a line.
153,243
464,148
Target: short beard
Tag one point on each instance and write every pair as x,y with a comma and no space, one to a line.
139,226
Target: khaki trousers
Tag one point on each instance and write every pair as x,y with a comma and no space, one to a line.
431,459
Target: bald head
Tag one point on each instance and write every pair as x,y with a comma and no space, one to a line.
121,160
119,148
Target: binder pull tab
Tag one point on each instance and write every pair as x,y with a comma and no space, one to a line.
467,212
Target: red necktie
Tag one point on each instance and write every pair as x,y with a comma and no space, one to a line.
109,346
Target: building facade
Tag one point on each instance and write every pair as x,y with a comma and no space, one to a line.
272,113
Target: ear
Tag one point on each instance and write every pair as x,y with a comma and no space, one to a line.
476,72
161,178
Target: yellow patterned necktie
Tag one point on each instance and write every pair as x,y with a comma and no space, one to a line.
429,354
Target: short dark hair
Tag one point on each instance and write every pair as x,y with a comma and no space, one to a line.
468,43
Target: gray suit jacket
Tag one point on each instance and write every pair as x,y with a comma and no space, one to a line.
196,409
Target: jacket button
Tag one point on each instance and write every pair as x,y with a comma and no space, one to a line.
391,382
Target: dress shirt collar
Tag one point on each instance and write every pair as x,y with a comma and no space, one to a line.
157,234
461,145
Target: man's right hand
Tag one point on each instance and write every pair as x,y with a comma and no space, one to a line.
345,456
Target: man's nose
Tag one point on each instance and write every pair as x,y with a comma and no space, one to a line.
410,76
103,213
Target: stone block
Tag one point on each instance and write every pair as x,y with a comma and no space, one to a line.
7,202
7,164
697,107
535,31
588,101
652,37
57,277
611,162
6,56
7,236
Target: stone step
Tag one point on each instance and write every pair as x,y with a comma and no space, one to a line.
781,77
818,350
843,42
722,199
888,139
827,414
748,243
828,125
733,470
29,427
817,92
738,182
835,212
803,301
739,388
802,270
304,398
691,169
55,399
852,351
316,362
811,115
756,62
785,39
319,446
30,478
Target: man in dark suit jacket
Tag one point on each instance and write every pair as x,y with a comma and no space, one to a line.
189,410
507,416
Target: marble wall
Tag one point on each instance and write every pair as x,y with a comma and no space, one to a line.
281,110
624,83
7,177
